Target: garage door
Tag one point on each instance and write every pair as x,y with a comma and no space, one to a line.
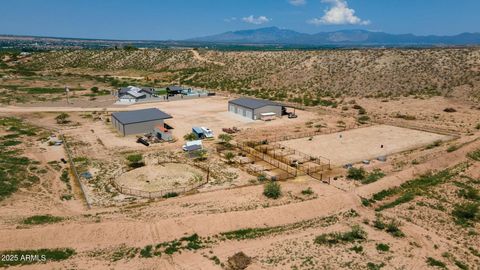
231,108
249,114
240,111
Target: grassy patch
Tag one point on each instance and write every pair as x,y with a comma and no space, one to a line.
25,257
436,263
355,234
475,155
252,233
365,178
14,172
41,219
419,186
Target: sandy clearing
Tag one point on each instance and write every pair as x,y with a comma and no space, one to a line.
363,143
159,177
138,233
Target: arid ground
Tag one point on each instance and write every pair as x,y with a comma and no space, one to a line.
418,209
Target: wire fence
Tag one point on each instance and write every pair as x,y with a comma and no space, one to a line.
398,123
153,194
307,134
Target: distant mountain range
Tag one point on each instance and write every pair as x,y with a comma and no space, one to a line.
275,35
271,38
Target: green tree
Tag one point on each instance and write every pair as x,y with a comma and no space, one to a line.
190,137
94,89
356,173
225,138
272,190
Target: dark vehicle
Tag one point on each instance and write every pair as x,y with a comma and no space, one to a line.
142,141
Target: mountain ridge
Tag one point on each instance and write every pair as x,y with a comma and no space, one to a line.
275,35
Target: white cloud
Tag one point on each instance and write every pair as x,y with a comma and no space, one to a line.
231,19
297,2
338,13
256,20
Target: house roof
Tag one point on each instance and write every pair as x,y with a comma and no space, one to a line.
175,88
253,103
135,94
140,116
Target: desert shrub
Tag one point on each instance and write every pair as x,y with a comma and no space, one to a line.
363,119
452,148
94,89
262,178
356,173
405,116
436,263
449,110
373,266
229,156
41,219
383,247
272,190
477,126
355,234
146,252
466,213
307,191
461,265
357,249
475,155
225,138
190,137
135,161
170,195
200,154
62,118
393,229
434,144
373,177
469,193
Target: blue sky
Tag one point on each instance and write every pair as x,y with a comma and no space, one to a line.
180,19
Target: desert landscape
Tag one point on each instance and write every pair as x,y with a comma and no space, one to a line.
379,168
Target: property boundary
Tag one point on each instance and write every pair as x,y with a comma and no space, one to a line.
74,169
447,132
152,194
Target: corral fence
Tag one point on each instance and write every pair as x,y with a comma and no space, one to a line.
153,194
308,134
290,171
402,124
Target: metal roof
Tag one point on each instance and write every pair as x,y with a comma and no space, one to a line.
140,116
253,103
175,88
